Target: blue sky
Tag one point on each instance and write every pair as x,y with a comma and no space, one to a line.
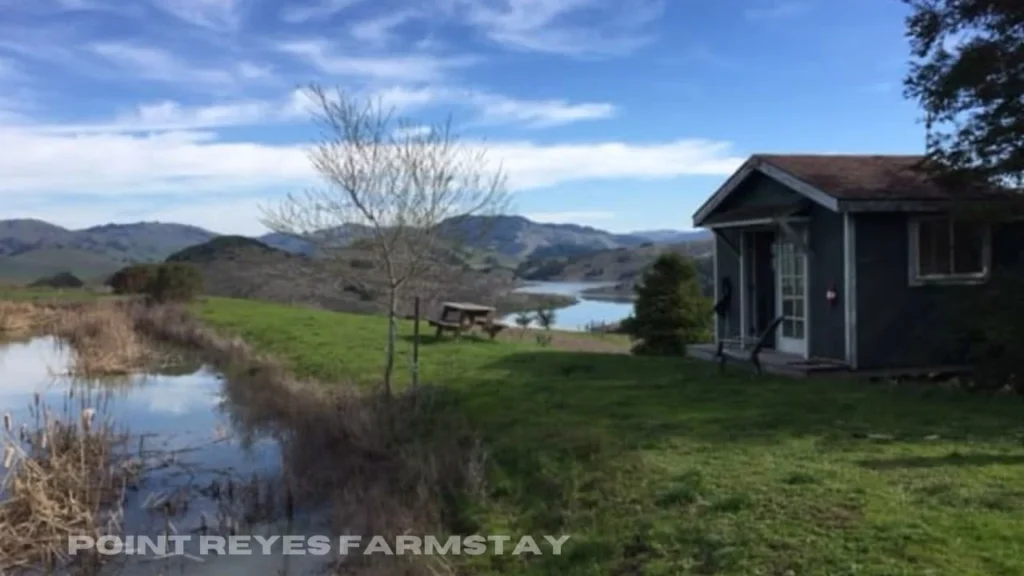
621,114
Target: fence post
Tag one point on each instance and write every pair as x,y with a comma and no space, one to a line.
416,345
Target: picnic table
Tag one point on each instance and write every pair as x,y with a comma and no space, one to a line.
458,317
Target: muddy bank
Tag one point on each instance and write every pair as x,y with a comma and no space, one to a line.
363,462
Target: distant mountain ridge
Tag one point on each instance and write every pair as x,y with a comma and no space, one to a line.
672,236
32,248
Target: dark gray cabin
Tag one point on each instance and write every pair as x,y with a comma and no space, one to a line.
859,254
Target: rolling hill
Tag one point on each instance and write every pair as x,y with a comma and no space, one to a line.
30,249
240,267
624,266
33,248
672,236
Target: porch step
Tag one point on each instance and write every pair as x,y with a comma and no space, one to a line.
775,362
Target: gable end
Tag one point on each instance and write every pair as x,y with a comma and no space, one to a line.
757,165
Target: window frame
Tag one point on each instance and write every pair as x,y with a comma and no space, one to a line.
914,263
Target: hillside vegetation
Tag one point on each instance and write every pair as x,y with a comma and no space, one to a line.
623,266
240,267
30,249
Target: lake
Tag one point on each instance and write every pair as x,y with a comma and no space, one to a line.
187,435
579,315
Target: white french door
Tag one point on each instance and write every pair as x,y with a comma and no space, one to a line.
791,297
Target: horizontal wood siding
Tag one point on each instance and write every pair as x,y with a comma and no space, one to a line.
827,321
900,326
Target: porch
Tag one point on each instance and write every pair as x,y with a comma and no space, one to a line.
776,362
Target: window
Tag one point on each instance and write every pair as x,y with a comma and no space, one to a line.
945,250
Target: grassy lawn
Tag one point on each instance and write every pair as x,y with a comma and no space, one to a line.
663,466
25,293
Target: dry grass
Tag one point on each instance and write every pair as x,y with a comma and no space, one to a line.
101,333
18,318
103,338
63,476
384,466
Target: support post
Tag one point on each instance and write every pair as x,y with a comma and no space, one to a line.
416,344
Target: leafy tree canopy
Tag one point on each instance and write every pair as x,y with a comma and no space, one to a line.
968,76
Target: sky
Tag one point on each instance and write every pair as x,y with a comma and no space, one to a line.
619,114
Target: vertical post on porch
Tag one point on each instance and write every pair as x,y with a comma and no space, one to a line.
416,344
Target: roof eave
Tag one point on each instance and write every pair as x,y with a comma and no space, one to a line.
757,164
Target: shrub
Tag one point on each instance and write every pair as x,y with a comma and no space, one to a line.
175,281
669,312
59,280
133,279
545,317
523,320
994,330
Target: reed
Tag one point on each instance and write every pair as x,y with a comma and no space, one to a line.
20,318
63,475
103,338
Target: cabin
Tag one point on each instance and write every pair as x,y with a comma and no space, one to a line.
860,256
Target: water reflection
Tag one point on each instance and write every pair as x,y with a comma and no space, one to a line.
583,313
194,448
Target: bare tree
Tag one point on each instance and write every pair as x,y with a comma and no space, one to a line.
405,186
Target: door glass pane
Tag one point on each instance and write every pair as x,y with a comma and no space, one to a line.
798,329
792,268
787,328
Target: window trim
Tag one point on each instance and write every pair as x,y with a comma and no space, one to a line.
913,268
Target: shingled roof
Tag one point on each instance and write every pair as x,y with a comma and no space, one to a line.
855,182
849,177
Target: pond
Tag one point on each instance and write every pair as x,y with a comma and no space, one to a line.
585,312
188,435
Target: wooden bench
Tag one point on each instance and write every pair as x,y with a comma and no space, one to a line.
746,349
446,326
490,327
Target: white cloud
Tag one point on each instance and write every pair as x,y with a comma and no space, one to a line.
123,165
193,177
169,115
404,67
217,15
299,12
612,26
533,165
381,30
497,108
191,163
577,217
156,64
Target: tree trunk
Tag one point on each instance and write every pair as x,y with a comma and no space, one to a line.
389,363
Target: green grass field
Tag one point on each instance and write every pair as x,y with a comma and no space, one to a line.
663,466
8,292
